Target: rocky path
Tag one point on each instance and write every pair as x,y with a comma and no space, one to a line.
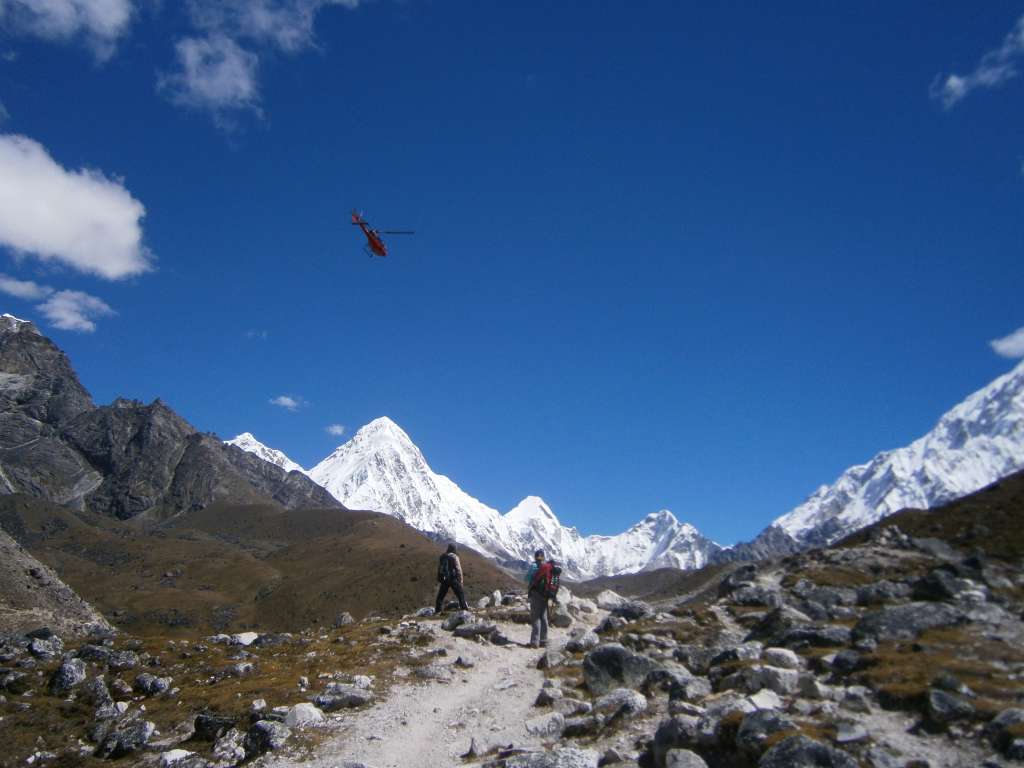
432,723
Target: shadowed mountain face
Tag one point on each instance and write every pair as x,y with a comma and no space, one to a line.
123,460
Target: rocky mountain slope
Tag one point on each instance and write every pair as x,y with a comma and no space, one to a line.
33,596
889,650
974,444
125,459
380,468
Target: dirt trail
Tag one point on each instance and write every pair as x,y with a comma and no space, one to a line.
431,723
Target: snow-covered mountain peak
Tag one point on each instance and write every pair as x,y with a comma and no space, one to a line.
974,444
532,508
381,469
11,323
248,442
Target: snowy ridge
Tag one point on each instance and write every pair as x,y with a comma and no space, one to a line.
247,442
381,469
973,445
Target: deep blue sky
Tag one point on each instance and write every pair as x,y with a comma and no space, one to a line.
696,258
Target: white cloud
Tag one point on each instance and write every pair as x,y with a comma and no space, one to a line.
81,219
995,68
215,74
1010,346
285,24
74,310
99,23
24,289
335,429
288,402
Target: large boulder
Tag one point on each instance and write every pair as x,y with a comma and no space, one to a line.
609,600
611,666
906,622
804,752
70,673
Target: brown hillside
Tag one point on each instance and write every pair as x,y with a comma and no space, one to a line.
230,567
990,520
662,584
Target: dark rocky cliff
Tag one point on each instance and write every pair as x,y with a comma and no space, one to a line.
123,459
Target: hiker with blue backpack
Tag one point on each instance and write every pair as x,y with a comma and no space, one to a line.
543,578
449,576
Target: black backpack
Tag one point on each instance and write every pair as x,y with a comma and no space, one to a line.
555,581
445,568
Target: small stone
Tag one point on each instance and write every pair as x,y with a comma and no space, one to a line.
781,657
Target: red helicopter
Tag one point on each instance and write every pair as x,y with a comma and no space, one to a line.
374,242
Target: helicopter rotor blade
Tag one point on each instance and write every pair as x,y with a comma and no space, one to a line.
397,232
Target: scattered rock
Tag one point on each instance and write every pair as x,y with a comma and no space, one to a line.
264,736
550,659
804,752
244,638
781,657
633,610
582,639
757,727
906,622
684,758
475,629
622,702
229,749
128,736
151,685
555,758
609,600
303,715
209,726
456,619
944,708
343,620
545,726
338,696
